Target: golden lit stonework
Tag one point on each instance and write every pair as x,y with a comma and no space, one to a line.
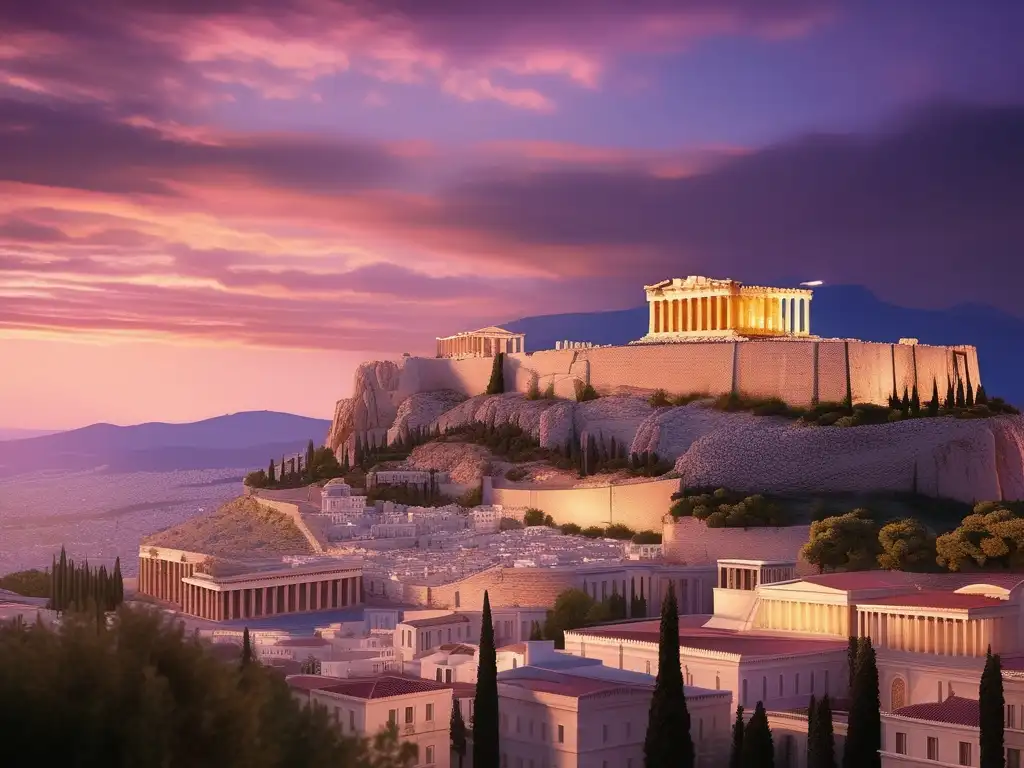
703,307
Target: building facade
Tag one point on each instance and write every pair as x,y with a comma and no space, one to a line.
487,342
682,308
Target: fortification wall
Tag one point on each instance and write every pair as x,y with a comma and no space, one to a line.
506,588
690,542
780,369
799,372
641,506
316,539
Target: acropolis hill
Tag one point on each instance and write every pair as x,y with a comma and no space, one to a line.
716,338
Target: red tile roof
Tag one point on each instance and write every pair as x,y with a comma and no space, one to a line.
954,711
693,635
938,599
513,648
857,580
567,685
380,687
456,649
457,618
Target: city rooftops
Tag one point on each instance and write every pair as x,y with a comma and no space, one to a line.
377,687
953,711
694,635
434,621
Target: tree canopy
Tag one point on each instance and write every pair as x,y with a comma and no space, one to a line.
142,692
846,542
992,536
906,545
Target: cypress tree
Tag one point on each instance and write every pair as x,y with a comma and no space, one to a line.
118,583
970,394
950,400
247,654
758,749
863,740
991,707
485,703
496,386
52,604
851,661
960,399
905,403
915,401
812,713
933,404
668,741
980,397
62,580
271,478
457,731
535,632
736,751
310,459
825,744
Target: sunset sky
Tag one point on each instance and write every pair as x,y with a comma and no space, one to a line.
210,206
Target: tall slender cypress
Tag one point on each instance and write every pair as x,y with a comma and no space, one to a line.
950,401
961,401
118,583
863,740
851,662
812,713
992,712
736,751
933,404
247,654
668,741
758,749
485,703
52,605
824,738
271,474
457,731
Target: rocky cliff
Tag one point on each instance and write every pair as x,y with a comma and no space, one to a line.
968,460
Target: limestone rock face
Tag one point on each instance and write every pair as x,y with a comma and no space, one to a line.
670,431
967,460
466,463
500,409
422,410
371,406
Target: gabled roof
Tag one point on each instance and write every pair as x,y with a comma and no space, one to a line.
954,711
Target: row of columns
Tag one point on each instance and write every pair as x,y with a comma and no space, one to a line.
473,345
796,616
773,314
256,602
162,578
929,634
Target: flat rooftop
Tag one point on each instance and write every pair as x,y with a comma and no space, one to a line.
692,634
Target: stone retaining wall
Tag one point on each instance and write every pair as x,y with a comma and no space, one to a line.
691,542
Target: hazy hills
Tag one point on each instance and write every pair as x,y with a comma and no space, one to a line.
237,440
842,311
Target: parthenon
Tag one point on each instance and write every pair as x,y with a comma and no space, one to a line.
705,307
487,342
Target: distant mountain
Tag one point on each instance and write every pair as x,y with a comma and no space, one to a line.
23,434
841,311
238,440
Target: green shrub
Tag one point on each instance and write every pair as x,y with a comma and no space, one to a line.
726,509
593,532
619,531
533,390
681,400
647,537
585,392
828,419
659,399
517,473
474,497
570,529
549,391
30,583
533,516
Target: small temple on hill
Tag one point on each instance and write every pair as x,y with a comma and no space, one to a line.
487,342
700,307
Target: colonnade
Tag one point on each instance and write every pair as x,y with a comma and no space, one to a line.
226,604
795,616
754,314
162,578
479,345
938,635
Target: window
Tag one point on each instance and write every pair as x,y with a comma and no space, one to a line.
430,755
933,748
1011,716
430,713
718,682
392,717
437,676
965,753
561,734
940,692
457,601
781,689
796,684
1013,758
648,667
352,719
447,675
408,715
901,743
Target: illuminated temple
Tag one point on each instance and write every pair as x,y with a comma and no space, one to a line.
702,307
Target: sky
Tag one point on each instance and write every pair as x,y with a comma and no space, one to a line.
209,206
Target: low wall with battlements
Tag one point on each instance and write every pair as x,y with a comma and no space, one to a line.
800,372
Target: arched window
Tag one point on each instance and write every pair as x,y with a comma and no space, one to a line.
898,698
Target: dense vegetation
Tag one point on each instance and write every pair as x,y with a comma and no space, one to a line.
142,692
574,609
991,537
316,465
668,740
30,583
727,509
81,588
411,494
